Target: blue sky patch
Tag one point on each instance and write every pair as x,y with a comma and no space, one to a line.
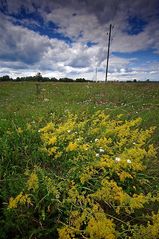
143,55
90,43
36,23
136,25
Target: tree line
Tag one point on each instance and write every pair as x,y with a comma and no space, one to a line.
39,77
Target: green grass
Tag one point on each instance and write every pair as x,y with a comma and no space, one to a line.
20,104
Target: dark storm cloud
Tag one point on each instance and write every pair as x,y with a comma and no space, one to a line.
108,10
34,13
105,10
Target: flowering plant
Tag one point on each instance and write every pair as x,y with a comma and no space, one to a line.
97,186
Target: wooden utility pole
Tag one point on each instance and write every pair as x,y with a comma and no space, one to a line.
106,70
96,73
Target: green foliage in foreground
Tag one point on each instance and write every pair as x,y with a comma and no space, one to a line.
78,176
51,185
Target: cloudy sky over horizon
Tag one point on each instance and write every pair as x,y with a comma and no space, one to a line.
68,38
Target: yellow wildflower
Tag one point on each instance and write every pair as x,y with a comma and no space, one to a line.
52,150
84,147
52,140
101,227
20,199
12,203
29,126
58,155
71,147
149,231
51,187
19,130
33,182
138,201
120,116
66,233
123,175
151,151
48,127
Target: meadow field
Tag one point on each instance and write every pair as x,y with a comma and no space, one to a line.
79,160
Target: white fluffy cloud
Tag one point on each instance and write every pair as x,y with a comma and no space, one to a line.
26,51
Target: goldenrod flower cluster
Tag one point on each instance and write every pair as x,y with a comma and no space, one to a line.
33,182
20,199
98,189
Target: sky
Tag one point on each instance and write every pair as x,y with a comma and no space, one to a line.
69,38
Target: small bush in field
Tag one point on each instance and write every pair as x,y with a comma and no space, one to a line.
94,184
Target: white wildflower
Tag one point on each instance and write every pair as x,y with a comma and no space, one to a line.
46,100
101,150
117,159
96,140
97,155
128,161
57,196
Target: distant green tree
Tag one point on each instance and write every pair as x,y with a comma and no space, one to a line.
80,80
66,79
18,79
5,78
38,77
53,79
